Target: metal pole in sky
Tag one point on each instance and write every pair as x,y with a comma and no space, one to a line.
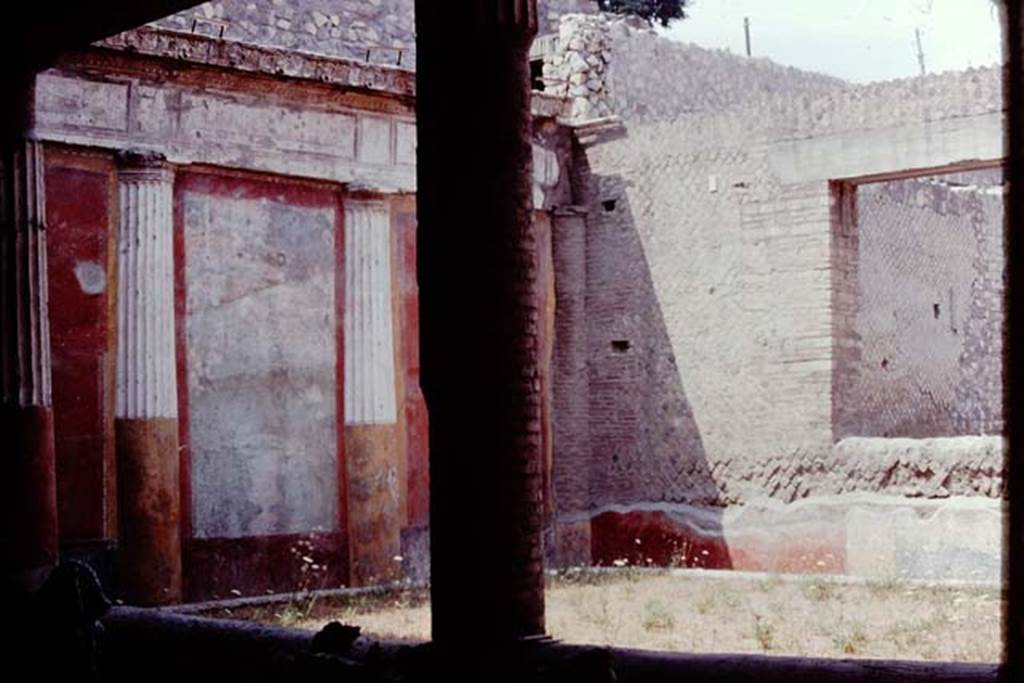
920,50
746,30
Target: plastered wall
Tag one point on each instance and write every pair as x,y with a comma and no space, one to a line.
262,364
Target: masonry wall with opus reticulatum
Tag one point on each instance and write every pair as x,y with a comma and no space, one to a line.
923,290
711,268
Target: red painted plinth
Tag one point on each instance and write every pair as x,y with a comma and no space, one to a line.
651,538
29,495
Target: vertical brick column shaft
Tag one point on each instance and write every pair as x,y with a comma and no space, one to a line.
571,390
146,424
29,495
480,320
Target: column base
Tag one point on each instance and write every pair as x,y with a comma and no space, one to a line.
149,556
572,544
374,513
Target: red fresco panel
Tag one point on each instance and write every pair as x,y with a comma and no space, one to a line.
415,406
250,565
78,216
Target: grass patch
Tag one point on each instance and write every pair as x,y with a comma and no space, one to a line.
710,613
706,603
885,589
821,590
764,633
851,638
771,583
657,617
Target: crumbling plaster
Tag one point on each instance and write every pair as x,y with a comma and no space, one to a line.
260,330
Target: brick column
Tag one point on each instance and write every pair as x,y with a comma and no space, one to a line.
479,297
146,425
1013,377
30,538
571,389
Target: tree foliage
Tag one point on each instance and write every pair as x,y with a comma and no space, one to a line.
662,11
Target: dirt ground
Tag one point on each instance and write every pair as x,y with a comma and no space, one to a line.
713,612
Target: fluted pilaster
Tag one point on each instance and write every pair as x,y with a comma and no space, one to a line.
369,326
372,433
146,378
147,396
23,287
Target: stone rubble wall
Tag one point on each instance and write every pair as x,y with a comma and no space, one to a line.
617,65
379,31
578,67
353,29
552,12
911,468
920,468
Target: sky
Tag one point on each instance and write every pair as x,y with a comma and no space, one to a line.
859,40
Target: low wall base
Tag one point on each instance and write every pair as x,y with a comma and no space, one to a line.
860,534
